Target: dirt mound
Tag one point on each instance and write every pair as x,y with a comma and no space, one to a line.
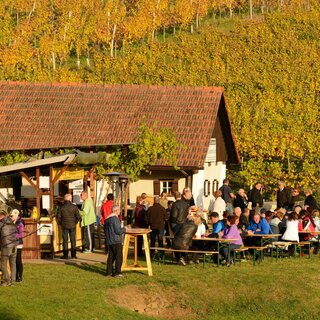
152,300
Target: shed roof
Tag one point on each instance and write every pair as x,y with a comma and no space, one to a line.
61,115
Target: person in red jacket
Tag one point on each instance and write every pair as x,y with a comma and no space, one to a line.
105,212
106,208
307,224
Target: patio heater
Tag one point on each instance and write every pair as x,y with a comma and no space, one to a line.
119,181
123,180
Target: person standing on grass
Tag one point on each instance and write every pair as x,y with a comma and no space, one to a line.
180,209
113,233
219,204
227,195
241,200
283,196
87,223
106,210
16,218
183,238
164,199
155,219
8,232
68,217
255,196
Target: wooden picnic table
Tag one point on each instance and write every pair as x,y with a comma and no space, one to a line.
265,238
308,232
134,233
221,243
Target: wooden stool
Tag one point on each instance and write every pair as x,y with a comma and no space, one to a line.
135,232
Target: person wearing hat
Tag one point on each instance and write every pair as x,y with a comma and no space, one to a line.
16,218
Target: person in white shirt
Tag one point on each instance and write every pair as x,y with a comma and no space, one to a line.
219,204
292,231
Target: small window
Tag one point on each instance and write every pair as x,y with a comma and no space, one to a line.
166,186
212,151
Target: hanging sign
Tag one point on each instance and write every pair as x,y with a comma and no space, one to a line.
70,174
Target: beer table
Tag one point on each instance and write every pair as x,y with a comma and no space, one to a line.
221,243
135,233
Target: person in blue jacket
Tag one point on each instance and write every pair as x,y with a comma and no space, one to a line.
113,233
258,225
217,225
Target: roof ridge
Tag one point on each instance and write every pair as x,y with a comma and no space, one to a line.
107,85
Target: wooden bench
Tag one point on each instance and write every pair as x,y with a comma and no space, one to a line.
256,250
300,245
204,253
280,247
238,252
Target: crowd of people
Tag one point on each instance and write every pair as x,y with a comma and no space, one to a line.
236,216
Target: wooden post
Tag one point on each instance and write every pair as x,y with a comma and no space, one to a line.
92,183
38,190
51,191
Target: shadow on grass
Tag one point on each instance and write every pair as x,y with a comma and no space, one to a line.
6,314
87,267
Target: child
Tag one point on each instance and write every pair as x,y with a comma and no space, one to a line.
113,233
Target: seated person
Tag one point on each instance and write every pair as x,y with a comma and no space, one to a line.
231,232
243,222
307,224
277,224
225,215
202,227
316,219
292,230
201,233
217,225
257,225
183,238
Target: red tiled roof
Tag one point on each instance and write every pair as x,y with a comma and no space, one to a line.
43,116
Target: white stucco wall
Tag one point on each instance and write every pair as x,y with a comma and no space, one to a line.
210,172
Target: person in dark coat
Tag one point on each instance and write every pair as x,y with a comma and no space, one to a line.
283,196
310,200
241,200
155,219
68,217
255,196
16,218
113,233
183,238
179,211
295,197
140,222
227,195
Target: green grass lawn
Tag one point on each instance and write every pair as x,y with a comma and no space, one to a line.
288,289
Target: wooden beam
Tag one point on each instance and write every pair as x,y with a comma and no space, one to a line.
51,189
38,190
92,183
58,175
28,179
